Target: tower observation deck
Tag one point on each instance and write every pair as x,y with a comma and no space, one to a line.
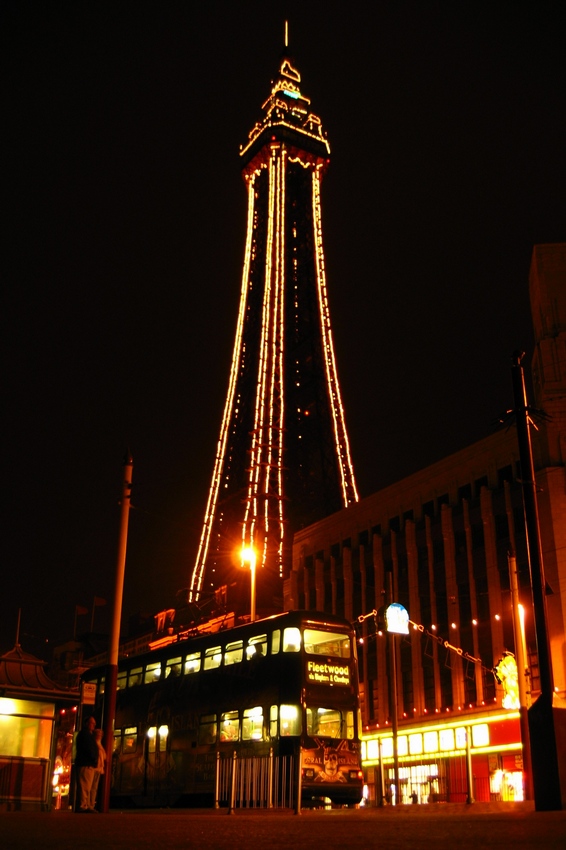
283,457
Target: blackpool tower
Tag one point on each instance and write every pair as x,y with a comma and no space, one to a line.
283,458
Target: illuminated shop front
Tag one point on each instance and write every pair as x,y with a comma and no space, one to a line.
34,756
433,761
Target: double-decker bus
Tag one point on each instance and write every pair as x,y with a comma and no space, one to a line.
283,687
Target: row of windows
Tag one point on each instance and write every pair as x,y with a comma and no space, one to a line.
247,725
444,740
314,641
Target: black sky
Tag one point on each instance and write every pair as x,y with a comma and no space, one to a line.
124,240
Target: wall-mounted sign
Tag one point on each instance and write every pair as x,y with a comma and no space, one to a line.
397,619
88,695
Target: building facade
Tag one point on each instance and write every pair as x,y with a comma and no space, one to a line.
448,543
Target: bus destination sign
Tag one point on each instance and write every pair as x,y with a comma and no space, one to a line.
328,673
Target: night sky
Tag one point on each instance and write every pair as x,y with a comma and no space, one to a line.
124,237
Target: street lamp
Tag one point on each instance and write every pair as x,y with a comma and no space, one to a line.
249,557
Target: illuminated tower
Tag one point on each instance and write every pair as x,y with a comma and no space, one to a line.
283,458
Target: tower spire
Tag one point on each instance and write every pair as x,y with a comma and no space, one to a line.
283,457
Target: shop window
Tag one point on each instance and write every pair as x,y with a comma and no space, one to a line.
480,735
430,742
446,737
415,743
26,736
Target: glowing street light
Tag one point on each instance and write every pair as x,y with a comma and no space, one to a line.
249,557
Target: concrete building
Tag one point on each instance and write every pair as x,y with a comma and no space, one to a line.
439,542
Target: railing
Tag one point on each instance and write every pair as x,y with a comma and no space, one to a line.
255,782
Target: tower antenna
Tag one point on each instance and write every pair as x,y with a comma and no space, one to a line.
286,34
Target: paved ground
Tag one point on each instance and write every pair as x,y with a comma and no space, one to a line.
439,827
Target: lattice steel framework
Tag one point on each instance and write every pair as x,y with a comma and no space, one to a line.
283,458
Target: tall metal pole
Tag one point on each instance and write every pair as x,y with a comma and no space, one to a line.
523,674
532,526
248,555
393,699
544,755
113,649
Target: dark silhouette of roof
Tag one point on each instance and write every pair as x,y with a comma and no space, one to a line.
22,675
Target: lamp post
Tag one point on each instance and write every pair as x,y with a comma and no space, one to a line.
249,557
396,623
549,777
114,645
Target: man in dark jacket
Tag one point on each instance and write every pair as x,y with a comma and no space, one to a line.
86,760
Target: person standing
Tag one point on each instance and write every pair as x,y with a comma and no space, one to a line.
99,769
86,761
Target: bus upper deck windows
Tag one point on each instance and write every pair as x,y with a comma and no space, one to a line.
333,644
257,646
192,662
275,641
152,672
292,639
212,657
173,667
134,677
234,652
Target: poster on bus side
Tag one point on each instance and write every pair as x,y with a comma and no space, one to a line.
331,761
